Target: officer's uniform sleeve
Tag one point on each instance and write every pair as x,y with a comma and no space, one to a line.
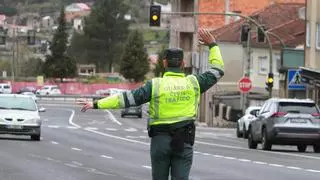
126,99
212,75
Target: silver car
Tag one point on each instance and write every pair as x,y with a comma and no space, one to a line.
19,115
286,122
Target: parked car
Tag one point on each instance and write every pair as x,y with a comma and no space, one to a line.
286,122
49,90
27,89
5,88
133,111
20,116
32,95
244,121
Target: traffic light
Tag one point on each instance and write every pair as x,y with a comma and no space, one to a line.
260,36
155,15
245,30
31,37
269,82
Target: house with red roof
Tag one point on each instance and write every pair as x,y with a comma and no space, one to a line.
284,21
75,13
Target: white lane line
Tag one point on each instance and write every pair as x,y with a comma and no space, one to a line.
111,129
145,131
312,170
293,167
217,156
131,130
107,157
246,149
205,154
244,160
53,126
76,149
91,128
72,127
148,167
118,137
276,165
143,137
54,142
230,158
111,116
259,162
70,165
71,119
77,163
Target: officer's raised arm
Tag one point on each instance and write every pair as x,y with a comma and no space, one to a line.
212,75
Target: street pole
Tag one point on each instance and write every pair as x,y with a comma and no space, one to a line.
247,71
242,16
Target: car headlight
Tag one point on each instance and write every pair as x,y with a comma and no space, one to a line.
34,120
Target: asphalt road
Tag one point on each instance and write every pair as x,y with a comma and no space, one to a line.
99,145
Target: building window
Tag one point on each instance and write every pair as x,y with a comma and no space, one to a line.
263,64
308,35
318,36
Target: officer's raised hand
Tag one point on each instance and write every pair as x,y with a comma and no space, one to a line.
206,37
85,105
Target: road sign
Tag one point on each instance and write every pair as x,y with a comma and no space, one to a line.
294,80
245,84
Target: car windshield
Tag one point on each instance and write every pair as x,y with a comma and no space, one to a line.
298,107
18,103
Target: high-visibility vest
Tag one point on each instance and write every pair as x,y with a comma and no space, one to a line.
175,98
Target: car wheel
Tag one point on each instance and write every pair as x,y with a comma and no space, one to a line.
35,137
238,131
265,142
251,143
302,148
316,148
244,132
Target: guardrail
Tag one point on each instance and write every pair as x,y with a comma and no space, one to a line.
68,98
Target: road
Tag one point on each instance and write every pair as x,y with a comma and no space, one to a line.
99,145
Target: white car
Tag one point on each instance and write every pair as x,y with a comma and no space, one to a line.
34,97
19,115
5,88
244,121
49,90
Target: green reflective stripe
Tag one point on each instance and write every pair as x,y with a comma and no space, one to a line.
196,91
156,89
170,120
121,101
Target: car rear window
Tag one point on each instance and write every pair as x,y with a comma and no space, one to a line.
295,107
6,87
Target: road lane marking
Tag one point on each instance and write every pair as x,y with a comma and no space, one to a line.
111,129
148,167
131,130
72,127
54,142
230,158
71,119
293,167
107,157
312,170
276,165
91,128
259,162
53,126
76,149
111,116
77,163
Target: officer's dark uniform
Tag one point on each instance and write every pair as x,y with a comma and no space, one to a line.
174,101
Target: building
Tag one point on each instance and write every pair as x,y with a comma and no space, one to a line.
282,20
2,19
311,70
245,7
75,14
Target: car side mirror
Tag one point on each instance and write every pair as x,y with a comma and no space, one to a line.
42,109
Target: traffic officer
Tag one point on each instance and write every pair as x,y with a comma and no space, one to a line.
174,101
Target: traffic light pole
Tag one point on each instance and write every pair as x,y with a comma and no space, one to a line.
239,15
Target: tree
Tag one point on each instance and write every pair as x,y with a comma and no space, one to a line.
58,64
159,70
134,62
106,30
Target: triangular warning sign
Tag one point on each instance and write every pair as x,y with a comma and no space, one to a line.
296,79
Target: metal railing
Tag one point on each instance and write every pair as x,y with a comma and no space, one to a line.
68,98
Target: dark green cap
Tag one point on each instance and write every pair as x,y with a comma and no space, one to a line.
174,56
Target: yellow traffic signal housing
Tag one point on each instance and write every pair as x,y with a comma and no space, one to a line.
155,15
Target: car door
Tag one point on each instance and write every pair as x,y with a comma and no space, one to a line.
262,115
